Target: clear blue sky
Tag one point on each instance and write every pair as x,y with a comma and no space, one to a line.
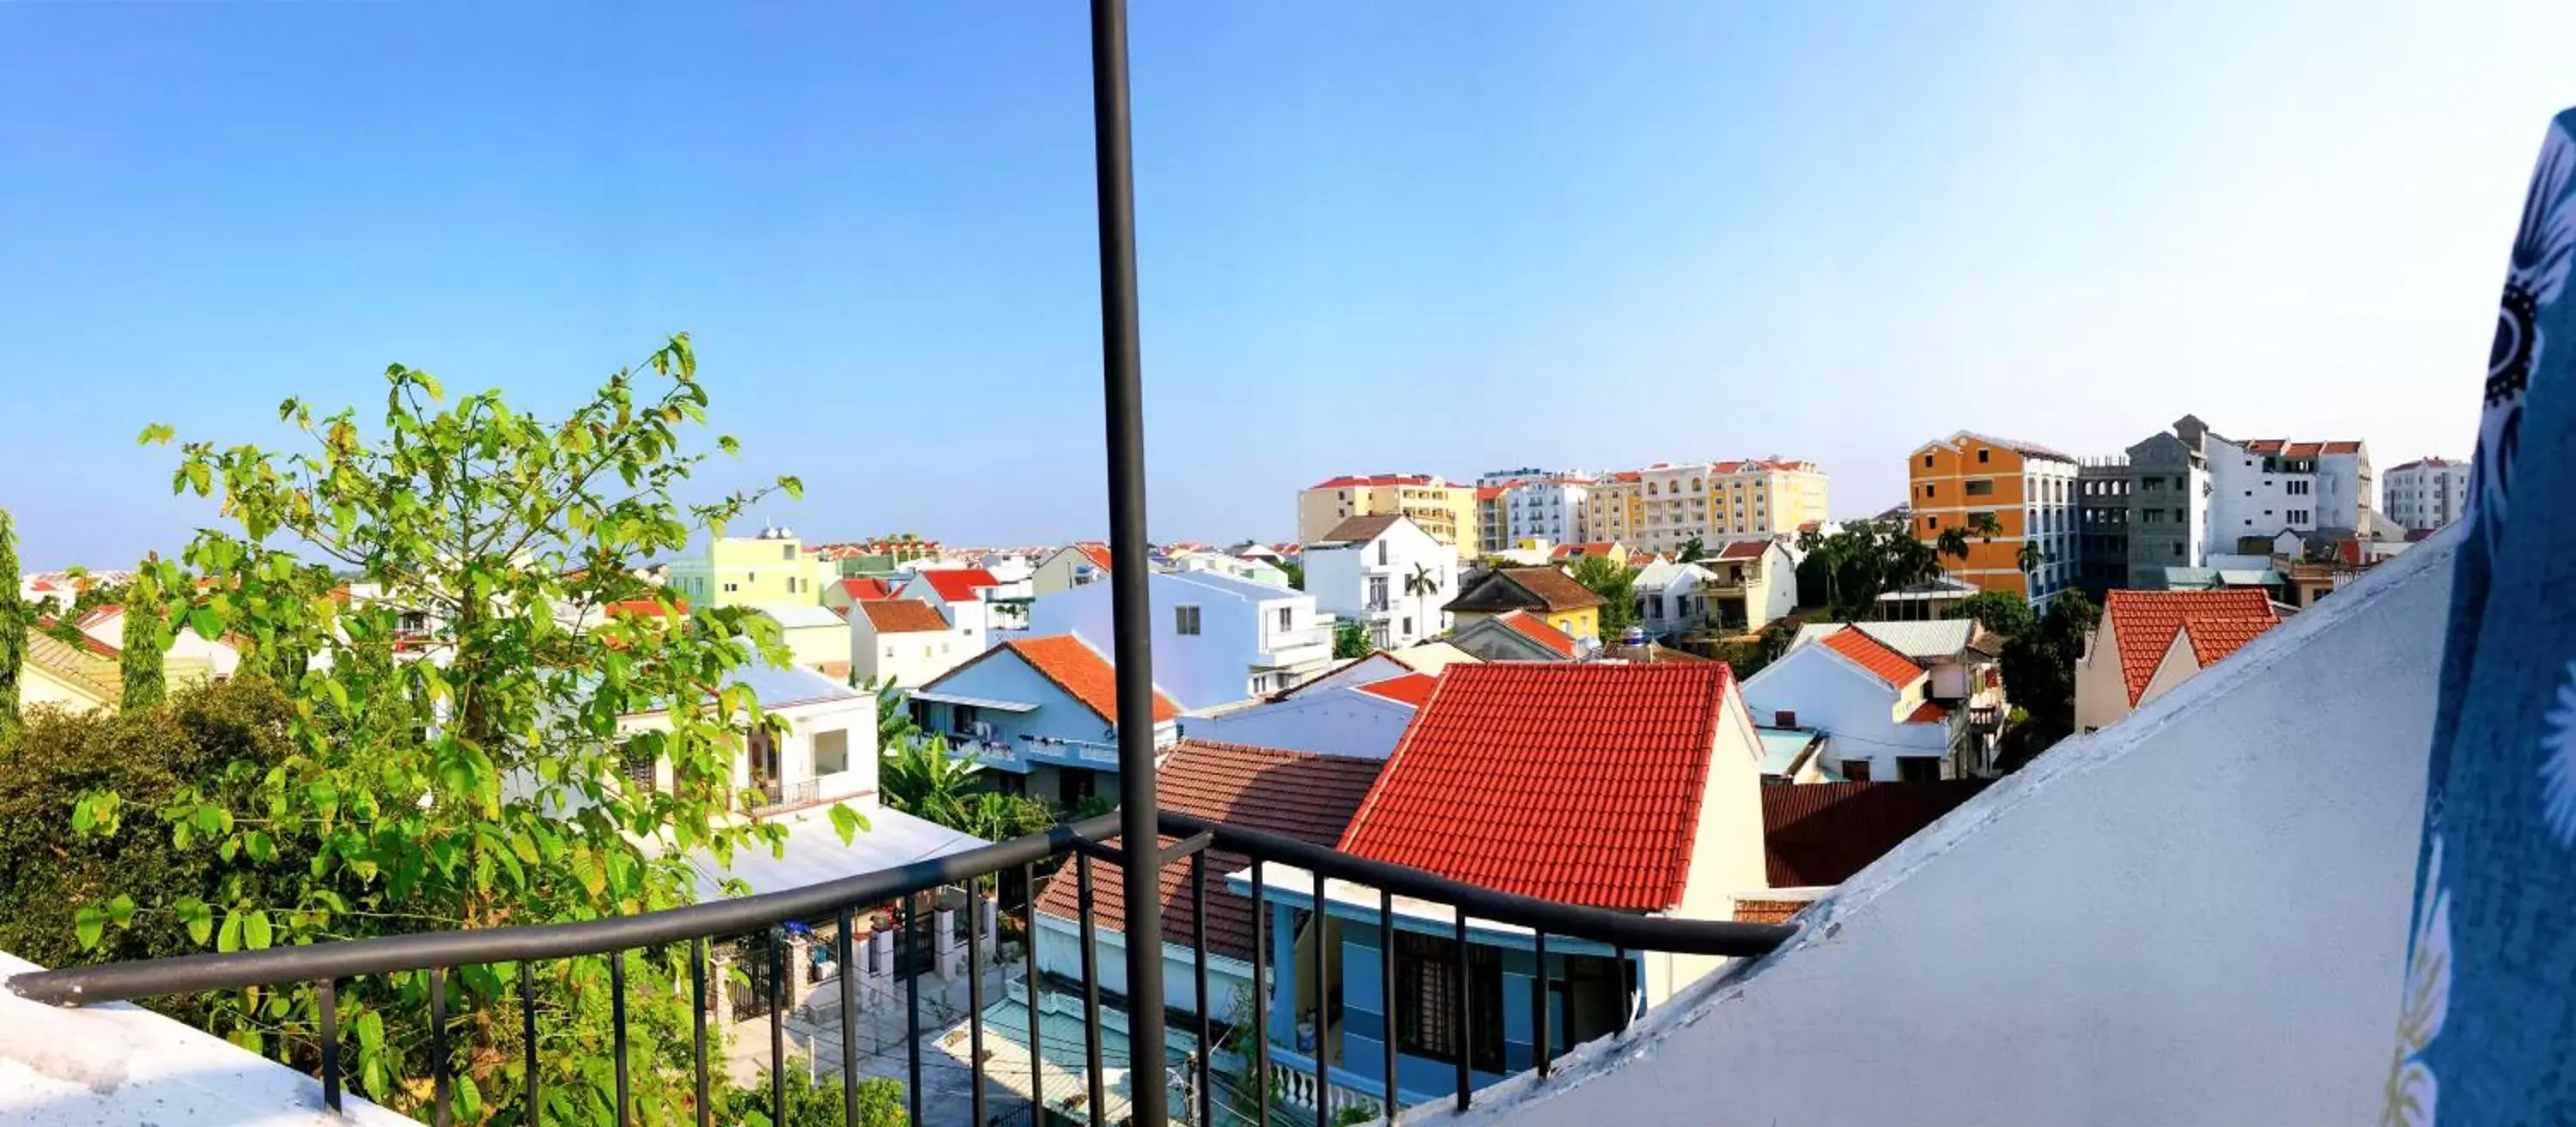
1446,237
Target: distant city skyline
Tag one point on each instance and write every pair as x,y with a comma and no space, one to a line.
1426,238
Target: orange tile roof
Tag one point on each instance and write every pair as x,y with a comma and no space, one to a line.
645,606
901,616
863,587
1094,551
2218,622
2343,448
1538,630
1930,713
1293,794
1411,688
957,585
1880,659
1575,783
1346,481
1080,671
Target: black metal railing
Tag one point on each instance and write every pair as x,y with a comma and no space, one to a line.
329,967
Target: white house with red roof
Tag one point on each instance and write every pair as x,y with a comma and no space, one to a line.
1363,720
1870,704
1078,564
1386,573
1753,583
2150,641
189,656
1040,714
1631,788
906,642
1217,639
962,596
1517,635
2259,486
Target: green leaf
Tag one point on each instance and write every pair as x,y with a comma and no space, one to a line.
228,939
156,434
469,1099
846,822
207,622
201,477
795,488
88,924
260,847
371,1031
199,919
120,911
729,444
255,933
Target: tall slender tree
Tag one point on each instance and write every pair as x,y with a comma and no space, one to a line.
145,638
13,632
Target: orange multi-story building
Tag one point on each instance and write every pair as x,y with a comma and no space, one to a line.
2005,494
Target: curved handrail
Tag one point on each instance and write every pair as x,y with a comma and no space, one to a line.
189,974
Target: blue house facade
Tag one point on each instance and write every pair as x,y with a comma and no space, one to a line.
1039,713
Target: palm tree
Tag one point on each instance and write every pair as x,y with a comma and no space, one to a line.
2031,558
1421,585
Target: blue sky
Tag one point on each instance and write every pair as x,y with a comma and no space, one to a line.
1444,237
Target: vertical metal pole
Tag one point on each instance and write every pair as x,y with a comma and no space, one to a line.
1037,1050
1465,1027
697,1027
441,1114
912,937
1091,995
326,1004
849,976
617,1025
1323,1012
778,1025
1538,993
1260,1000
974,1003
1124,399
1199,969
528,1033
1386,984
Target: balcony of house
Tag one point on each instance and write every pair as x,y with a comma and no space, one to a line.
1286,648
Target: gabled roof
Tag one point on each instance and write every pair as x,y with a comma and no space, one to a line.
1292,794
1538,630
2218,622
1359,530
1431,657
1074,667
1874,656
863,587
2026,449
1094,551
1592,548
2429,463
901,616
1822,833
1575,783
81,667
1529,588
99,614
1920,640
1743,550
1411,688
958,585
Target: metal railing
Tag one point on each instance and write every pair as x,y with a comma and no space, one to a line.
328,966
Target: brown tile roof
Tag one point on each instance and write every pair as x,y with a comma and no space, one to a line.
1360,530
2218,622
1292,794
1576,783
2343,448
1743,550
1554,589
81,667
1822,833
901,616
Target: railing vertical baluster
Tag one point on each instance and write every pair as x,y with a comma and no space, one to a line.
1029,939
974,1002
1323,1011
778,1024
1538,994
1199,987
438,1079
698,1025
1091,990
617,1027
913,923
1260,1000
1386,976
1627,996
326,1001
850,1027
1466,1020
528,1034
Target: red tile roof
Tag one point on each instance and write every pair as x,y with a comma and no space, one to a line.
1822,833
2218,622
1097,553
645,607
901,616
1743,550
1411,688
1347,481
2303,449
1360,530
1880,659
1080,671
1595,548
1538,630
2343,448
2264,445
1292,794
1930,713
1577,783
863,587
1489,492
99,614
957,585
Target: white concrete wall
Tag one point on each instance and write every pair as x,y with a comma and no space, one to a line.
913,658
1210,668
1338,578
1858,712
1727,850
1341,721
1060,952
2167,922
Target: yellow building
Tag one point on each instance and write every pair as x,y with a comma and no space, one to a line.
1663,507
2004,494
1448,512
772,567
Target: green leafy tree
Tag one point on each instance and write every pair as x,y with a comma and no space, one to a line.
147,638
2001,612
1616,583
2030,558
1296,573
920,778
881,1102
1420,586
1953,543
13,633
2039,673
467,773
1350,639
1693,551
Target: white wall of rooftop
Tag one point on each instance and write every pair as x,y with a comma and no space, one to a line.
2180,919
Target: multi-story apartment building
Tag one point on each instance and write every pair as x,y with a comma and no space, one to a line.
2006,494
2426,494
2103,489
741,570
1542,508
1663,507
2169,499
2259,487
1447,511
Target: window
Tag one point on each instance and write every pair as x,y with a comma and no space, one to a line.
1428,995
1927,459
1694,485
2182,516
1918,768
1185,621
2154,483
2155,516
1286,614
1408,626
1381,551
1931,522
1979,487
728,588
1784,718
1855,770
2177,551
787,552
2179,483
889,651
1981,455
1927,489
832,751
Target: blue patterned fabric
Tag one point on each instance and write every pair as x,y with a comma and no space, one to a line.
2487,1032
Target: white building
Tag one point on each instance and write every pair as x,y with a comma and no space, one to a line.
1671,597
1385,572
2259,487
963,596
1872,705
828,751
1074,565
187,651
905,640
2426,494
1545,508
1217,639
1752,583
1355,720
